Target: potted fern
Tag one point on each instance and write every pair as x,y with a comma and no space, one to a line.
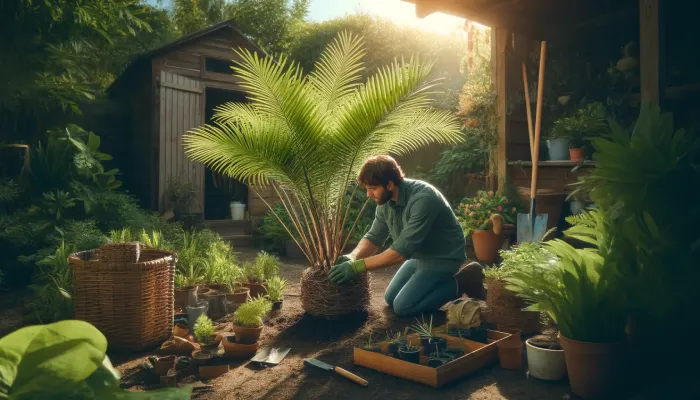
306,136
581,292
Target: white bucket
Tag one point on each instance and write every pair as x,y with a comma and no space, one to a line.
545,364
237,211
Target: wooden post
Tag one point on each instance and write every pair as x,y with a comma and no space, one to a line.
499,44
649,49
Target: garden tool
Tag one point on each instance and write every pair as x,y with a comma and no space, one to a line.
531,227
270,356
338,370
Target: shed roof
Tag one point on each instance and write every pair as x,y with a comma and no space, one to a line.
141,58
536,19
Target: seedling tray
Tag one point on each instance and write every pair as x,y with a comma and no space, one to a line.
477,355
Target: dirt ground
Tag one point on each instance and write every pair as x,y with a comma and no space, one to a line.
332,342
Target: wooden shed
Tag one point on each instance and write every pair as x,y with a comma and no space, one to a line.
163,94
519,25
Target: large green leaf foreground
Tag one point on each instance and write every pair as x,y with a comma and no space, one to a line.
308,135
64,360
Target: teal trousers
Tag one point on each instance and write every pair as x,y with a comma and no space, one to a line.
415,290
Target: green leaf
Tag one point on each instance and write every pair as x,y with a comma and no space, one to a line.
56,357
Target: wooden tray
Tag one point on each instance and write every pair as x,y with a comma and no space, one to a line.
477,355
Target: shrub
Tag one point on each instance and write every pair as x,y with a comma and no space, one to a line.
269,264
250,314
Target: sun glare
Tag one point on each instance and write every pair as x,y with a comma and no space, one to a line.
404,13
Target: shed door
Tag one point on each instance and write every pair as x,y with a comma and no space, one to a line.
181,102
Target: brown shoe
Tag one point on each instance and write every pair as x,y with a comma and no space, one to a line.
470,280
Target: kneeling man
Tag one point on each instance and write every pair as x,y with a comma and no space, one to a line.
427,240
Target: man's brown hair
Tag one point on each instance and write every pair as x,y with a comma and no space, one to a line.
379,170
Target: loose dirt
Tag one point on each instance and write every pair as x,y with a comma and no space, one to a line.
332,342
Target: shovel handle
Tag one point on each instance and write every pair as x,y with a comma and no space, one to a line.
351,376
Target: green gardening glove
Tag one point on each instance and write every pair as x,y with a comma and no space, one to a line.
345,257
346,271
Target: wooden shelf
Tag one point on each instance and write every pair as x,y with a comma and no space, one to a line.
552,163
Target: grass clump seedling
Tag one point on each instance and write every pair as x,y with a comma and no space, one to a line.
275,288
250,314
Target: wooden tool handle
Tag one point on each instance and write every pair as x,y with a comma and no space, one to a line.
538,122
351,376
529,112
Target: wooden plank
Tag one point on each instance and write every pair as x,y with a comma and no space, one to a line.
185,56
192,66
649,49
500,43
182,87
181,71
216,76
161,140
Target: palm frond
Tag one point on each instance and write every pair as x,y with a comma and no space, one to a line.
337,72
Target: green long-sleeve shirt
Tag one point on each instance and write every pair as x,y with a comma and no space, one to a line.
422,225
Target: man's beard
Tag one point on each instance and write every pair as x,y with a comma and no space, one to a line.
385,197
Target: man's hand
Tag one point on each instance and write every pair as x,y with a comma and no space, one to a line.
346,271
345,257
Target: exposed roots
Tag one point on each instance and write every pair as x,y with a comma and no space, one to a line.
321,298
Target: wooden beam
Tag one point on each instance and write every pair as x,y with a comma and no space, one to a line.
499,41
649,49
181,87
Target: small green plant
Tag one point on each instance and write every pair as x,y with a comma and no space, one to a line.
253,272
424,329
275,288
520,256
588,122
268,263
204,330
155,240
250,314
120,236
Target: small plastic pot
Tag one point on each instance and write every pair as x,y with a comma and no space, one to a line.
411,354
437,343
393,349
436,362
478,334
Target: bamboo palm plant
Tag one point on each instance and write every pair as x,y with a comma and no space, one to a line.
307,135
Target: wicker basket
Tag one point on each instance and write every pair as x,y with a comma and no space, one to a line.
130,303
121,252
504,308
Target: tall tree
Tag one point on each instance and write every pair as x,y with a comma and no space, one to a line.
53,57
270,23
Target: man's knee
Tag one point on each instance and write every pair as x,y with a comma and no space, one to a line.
389,298
403,308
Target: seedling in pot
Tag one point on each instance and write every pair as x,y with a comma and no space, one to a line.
410,354
204,331
275,291
427,334
372,346
395,341
247,320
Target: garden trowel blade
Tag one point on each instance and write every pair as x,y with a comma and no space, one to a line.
526,232
271,356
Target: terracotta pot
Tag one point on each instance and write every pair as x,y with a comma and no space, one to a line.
486,245
186,296
213,347
576,155
169,379
163,364
181,330
200,357
239,295
510,354
238,350
246,335
212,371
219,287
595,369
256,289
